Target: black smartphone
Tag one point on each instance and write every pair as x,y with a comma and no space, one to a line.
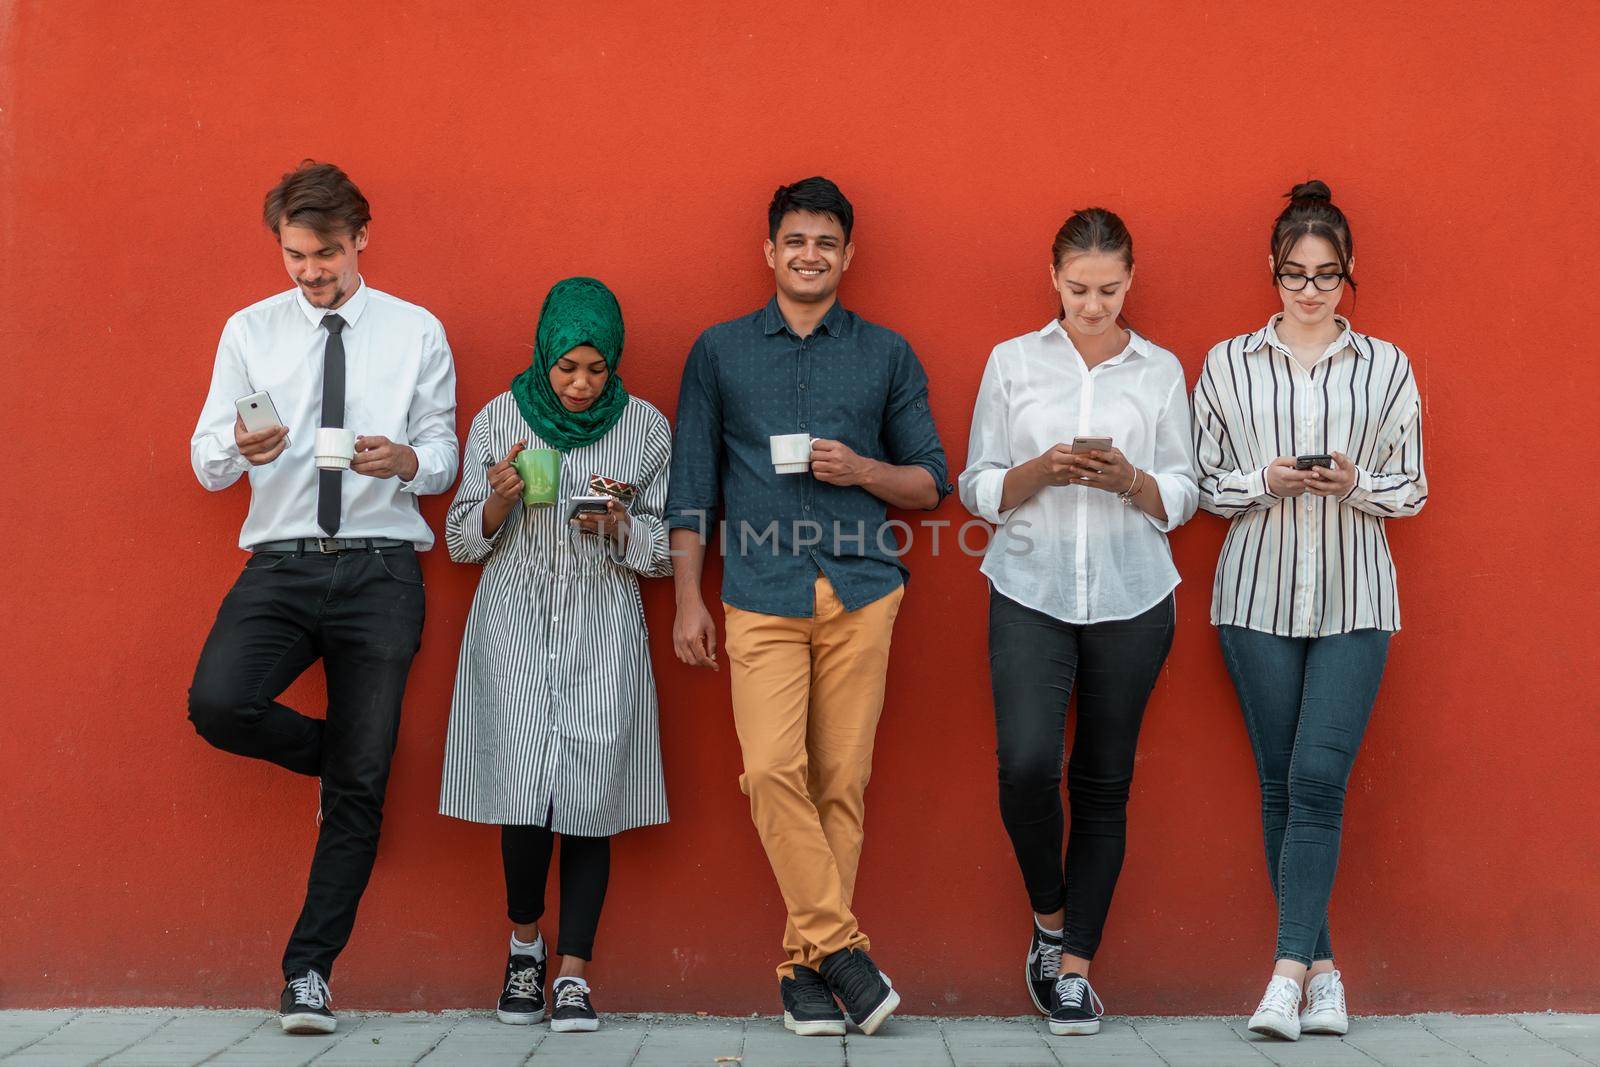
587,505
1305,463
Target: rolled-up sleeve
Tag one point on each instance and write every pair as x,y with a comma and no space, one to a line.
463,523
989,459
431,422
1224,489
213,452
1173,469
645,548
909,435
692,494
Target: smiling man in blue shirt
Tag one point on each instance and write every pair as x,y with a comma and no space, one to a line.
812,577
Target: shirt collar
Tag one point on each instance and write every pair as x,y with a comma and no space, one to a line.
835,323
1268,335
1137,346
349,311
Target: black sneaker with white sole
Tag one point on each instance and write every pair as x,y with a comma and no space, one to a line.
303,1008
573,1012
1078,1009
522,995
808,1007
1044,967
865,992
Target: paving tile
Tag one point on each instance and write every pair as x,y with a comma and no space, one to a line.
1404,1040
1498,1040
1577,1034
269,1046
689,1042
191,1038
91,1036
611,1045
1196,1042
20,1028
481,1040
768,1044
388,1040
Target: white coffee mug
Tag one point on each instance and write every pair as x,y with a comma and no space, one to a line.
791,453
336,446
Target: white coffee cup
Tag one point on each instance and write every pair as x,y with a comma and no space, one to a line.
336,447
791,453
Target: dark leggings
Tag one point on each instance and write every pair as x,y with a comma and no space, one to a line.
585,870
1034,662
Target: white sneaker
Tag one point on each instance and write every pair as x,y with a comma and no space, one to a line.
1325,1011
1278,1015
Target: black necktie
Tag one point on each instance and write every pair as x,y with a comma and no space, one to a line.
328,482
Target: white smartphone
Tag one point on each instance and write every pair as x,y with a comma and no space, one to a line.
587,505
1090,444
257,412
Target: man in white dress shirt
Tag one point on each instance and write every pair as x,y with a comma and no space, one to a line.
333,571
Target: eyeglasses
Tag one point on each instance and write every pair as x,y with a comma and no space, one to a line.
1325,283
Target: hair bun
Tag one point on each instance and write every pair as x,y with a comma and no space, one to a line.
1312,190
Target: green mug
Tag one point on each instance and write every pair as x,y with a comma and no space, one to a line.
540,471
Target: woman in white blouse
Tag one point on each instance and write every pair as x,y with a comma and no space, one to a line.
1081,584
553,723
1308,438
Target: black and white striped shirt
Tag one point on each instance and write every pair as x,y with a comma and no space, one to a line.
1307,566
554,710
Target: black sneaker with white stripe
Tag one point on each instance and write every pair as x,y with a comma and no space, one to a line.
522,995
1078,1009
809,1009
303,1008
865,992
1044,967
573,1012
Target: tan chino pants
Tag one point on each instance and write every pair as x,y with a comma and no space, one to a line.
807,694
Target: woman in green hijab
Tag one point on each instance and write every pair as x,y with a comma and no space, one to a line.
553,728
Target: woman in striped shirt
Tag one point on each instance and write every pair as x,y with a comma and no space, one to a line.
553,722
1308,437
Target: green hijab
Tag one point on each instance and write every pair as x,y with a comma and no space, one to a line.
577,311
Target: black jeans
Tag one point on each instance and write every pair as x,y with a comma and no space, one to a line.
585,872
361,614
1034,662
1306,702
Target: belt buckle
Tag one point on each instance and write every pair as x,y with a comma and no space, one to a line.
328,546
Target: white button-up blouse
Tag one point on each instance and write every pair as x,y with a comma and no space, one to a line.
1079,554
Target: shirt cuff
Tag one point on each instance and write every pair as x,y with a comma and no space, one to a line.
1258,485
1361,489
987,492
1171,501
477,546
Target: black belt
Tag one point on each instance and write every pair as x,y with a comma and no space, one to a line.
329,546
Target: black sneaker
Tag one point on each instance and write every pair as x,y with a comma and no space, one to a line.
573,1012
303,1008
866,993
808,1008
522,998
1078,1009
1044,967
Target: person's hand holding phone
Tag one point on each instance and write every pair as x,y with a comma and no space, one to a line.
262,446
1285,481
1103,468
614,521
378,457
1335,482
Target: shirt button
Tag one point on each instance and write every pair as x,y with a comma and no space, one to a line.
802,385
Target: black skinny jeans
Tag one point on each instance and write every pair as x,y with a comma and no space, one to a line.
1034,662
361,614
585,873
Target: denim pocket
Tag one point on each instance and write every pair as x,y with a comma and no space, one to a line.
265,561
403,567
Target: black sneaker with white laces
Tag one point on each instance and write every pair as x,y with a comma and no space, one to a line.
303,1008
572,1011
1078,1009
522,996
809,1009
1044,967
865,992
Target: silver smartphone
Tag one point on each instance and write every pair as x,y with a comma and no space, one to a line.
257,412
1090,444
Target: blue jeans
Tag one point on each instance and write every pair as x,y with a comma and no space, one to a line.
1305,703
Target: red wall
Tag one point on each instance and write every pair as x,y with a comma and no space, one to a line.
503,151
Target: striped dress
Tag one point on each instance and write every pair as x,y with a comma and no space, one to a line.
554,711
1308,566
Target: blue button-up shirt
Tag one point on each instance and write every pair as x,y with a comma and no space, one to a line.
754,378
